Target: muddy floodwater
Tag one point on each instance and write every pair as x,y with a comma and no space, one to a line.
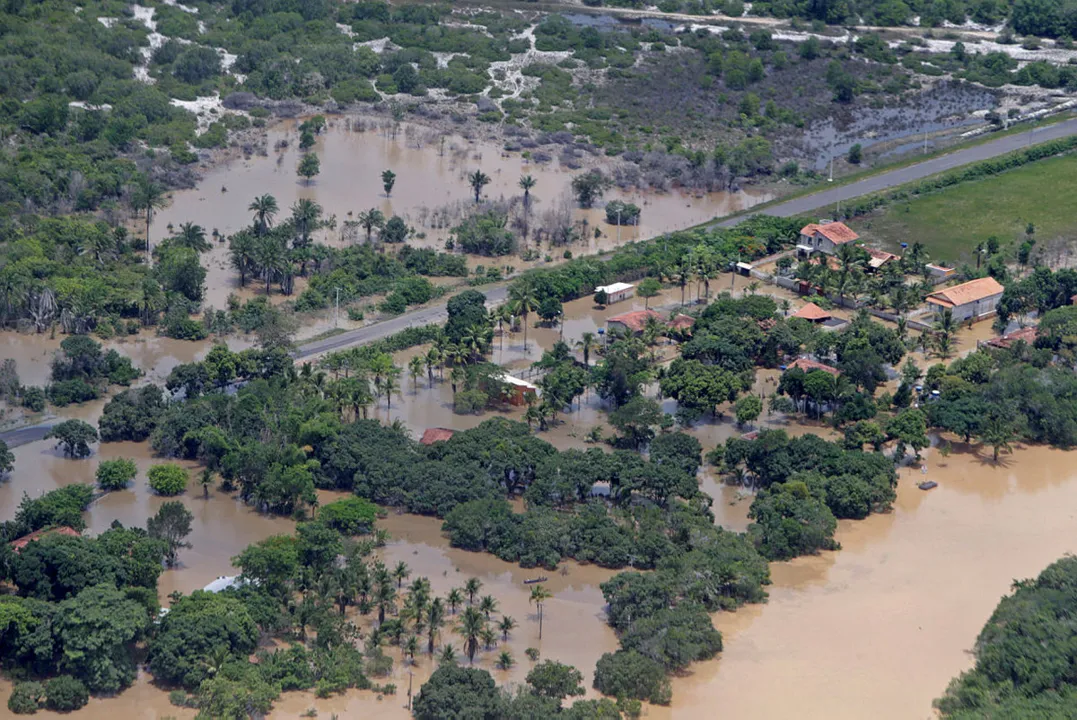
431,186
877,629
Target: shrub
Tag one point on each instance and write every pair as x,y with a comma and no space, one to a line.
115,474
65,694
167,479
25,698
627,673
350,516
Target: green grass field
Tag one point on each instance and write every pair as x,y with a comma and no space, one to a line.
952,222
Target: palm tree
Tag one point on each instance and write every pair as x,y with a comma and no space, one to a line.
539,596
448,655
472,587
371,219
148,197
241,254
431,361
489,637
527,183
306,218
265,209
523,299
488,604
270,257
415,370
470,628
435,618
390,387
588,341
384,598
411,647
478,180
503,314
506,626
455,598
679,274
192,236
401,572
505,660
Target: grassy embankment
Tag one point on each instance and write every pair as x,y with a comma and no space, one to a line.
951,222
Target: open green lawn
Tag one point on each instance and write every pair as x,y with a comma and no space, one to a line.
952,222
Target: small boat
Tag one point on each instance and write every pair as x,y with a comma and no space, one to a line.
928,485
532,581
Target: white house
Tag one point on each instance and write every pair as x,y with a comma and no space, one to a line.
968,301
617,291
825,237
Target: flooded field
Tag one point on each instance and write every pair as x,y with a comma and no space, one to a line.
430,186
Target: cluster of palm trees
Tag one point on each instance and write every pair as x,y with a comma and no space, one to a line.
359,380
272,253
885,288
420,616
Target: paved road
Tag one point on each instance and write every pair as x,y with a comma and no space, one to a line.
900,176
24,435
796,206
435,314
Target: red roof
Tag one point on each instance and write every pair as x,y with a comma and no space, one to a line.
1005,341
808,365
25,540
812,312
836,232
433,435
635,320
681,322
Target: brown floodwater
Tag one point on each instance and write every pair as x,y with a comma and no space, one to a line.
431,191
878,628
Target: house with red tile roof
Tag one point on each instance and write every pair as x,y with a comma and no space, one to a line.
808,365
877,258
433,435
634,321
968,301
19,543
682,322
1005,342
812,313
825,237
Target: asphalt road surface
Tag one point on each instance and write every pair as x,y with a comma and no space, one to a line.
900,176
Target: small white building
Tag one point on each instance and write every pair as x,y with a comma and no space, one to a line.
825,237
617,291
968,301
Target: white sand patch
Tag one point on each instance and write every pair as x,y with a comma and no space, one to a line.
180,6
88,106
1052,54
108,21
345,30
379,46
145,16
443,58
515,83
206,109
969,25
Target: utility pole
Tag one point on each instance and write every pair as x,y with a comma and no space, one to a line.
618,226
